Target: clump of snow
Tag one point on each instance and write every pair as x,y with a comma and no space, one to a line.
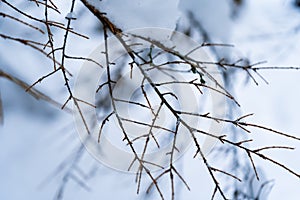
130,14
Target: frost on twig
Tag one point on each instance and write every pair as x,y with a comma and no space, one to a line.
71,16
153,98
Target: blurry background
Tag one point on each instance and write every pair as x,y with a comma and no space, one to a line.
41,156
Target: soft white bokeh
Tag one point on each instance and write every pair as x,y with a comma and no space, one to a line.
32,146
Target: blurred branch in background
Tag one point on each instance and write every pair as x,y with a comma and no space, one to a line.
1,111
233,179
33,92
